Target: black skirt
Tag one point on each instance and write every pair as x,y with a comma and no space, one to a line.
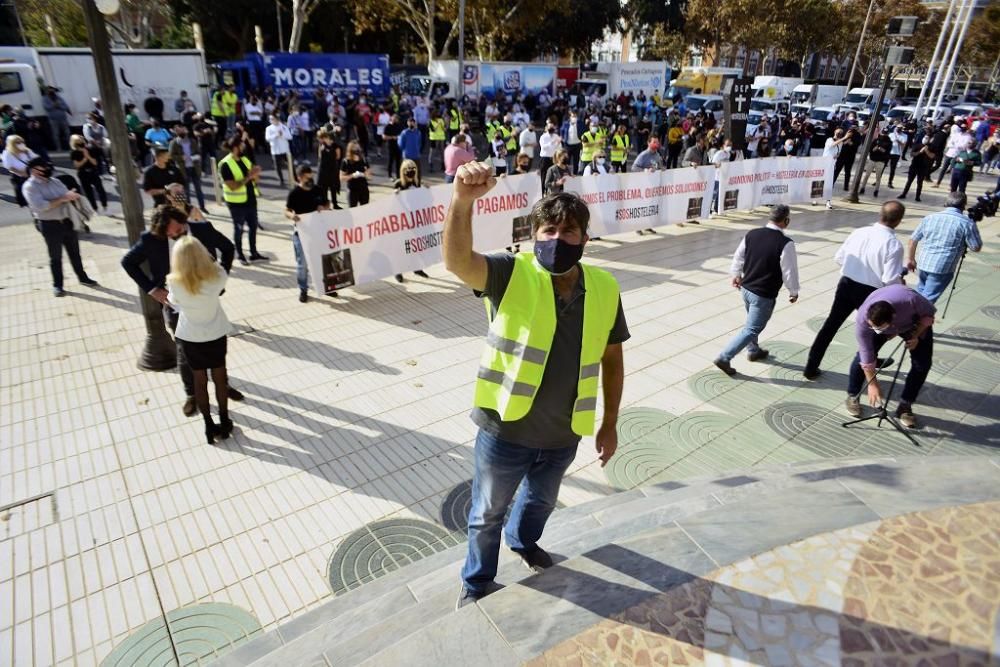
202,356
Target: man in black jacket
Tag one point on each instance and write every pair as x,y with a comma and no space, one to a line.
153,249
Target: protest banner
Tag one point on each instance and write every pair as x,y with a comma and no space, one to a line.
747,184
402,232
629,202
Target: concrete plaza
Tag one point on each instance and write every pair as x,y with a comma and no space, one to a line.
125,531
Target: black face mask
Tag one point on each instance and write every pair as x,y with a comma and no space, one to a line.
556,256
410,174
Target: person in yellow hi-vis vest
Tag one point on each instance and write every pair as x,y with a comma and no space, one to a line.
218,110
454,119
555,326
591,141
240,192
436,135
229,102
620,145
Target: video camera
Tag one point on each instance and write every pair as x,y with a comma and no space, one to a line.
985,206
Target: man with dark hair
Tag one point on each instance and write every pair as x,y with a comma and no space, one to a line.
148,263
764,260
160,174
304,198
49,201
943,239
555,325
893,310
240,192
870,258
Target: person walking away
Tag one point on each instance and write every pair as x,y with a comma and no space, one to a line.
194,284
16,158
570,132
354,169
240,192
86,172
58,113
436,135
764,260
558,173
548,313
279,137
160,174
218,111
548,144
620,145
921,163
942,240
49,201
392,133
185,151
870,258
304,198
899,139
456,154
330,155
878,158
894,310
409,177
963,167
148,262
528,141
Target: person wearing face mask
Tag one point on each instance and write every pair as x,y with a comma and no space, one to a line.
591,141
148,263
556,325
304,198
279,137
787,149
49,201
764,260
185,151
893,310
598,165
557,174
570,132
620,145
548,144
409,177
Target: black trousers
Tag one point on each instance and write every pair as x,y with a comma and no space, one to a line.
574,157
93,187
395,159
921,358
919,176
847,165
543,167
60,234
187,377
848,298
893,161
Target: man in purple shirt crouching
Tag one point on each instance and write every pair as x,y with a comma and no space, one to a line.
894,310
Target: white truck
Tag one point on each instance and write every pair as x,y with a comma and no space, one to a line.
490,78
25,72
774,87
616,78
817,95
859,98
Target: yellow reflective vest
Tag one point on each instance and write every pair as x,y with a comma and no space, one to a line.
619,147
492,127
217,105
511,138
520,338
437,129
229,101
239,169
591,143
456,119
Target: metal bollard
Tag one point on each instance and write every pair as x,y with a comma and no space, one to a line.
215,182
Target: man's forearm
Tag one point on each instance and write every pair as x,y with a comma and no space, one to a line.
457,237
912,251
614,382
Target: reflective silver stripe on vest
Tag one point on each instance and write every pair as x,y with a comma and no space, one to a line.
590,371
535,355
513,387
586,404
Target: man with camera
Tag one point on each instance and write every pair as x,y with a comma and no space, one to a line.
943,239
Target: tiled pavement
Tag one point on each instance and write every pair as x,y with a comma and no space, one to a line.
356,412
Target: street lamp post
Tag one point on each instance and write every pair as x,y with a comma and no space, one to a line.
159,352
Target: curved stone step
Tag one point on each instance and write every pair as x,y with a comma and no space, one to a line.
716,515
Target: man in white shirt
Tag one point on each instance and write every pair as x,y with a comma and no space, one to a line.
959,140
528,141
724,154
548,143
899,138
870,258
759,278
278,136
832,149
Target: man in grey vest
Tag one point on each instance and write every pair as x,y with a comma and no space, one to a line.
764,260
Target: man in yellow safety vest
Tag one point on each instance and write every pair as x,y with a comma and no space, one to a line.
620,145
239,190
555,326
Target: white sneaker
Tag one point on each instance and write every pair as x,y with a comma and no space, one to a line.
829,206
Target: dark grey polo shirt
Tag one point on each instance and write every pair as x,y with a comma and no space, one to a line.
548,425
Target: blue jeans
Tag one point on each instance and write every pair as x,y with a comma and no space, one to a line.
759,311
244,215
500,467
301,272
932,285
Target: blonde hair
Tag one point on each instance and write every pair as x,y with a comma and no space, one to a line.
403,166
14,139
191,265
354,149
77,140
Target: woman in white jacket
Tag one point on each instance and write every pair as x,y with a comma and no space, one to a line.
194,284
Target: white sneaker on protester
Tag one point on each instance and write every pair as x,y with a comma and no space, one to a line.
829,206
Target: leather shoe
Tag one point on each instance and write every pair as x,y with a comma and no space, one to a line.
811,373
758,355
725,367
235,394
189,406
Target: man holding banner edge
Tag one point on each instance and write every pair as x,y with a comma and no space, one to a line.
548,314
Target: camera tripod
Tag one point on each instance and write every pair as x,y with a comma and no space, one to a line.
954,281
882,412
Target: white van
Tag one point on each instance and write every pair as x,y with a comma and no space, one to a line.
772,107
860,98
710,103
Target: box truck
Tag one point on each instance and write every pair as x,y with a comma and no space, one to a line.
340,73
489,78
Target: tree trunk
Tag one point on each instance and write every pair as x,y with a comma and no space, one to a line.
298,21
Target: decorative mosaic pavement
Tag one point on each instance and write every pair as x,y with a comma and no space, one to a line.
917,589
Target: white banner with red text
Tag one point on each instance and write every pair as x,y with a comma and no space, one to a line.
402,232
746,184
